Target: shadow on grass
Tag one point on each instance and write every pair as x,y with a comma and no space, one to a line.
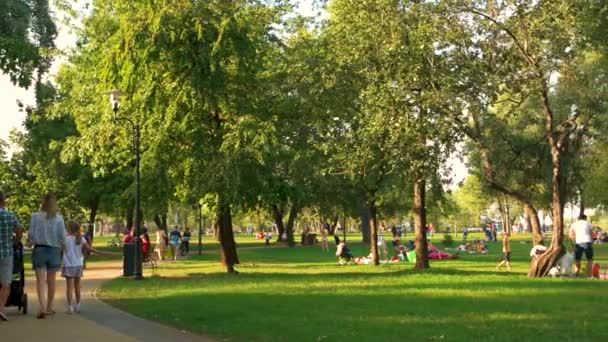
283,316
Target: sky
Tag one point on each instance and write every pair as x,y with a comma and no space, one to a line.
11,118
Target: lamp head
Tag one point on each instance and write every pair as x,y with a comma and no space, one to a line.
114,96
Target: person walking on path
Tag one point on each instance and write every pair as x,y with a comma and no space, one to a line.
174,240
581,234
47,235
73,248
506,252
9,225
186,242
161,244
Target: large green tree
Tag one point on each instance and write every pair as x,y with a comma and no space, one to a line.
192,72
27,37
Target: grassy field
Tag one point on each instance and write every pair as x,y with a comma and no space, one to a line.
302,295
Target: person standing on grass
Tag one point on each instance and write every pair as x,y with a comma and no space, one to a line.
174,240
161,244
465,233
506,252
494,232
581,233
47,235
268,237
9,225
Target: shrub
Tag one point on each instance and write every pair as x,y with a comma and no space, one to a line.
447,241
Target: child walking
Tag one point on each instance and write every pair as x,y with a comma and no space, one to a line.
506,252
73,248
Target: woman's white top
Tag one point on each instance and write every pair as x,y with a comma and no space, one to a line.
72,253
43,231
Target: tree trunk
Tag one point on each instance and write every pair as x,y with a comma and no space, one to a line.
373,215
92,216
290,223
537,233
161,222
333,225
503,215
130,217
541,266
278,220
365,223
226,236
508,216
581,210
422,254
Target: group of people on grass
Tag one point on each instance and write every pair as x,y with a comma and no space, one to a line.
176,243
56,246
581,235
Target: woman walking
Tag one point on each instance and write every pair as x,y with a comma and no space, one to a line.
161,244
47,235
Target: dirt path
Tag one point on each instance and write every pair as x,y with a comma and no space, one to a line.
96,322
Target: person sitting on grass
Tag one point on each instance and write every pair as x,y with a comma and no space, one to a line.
506,252
435,253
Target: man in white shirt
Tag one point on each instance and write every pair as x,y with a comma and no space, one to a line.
581,233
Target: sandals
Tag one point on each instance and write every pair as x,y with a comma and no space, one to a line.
43,315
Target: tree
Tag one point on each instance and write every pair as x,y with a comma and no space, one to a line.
192,72
391,125
523,45
27,35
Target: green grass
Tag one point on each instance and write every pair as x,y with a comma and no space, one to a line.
302,295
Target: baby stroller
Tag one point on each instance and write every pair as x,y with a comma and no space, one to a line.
18,297
344,254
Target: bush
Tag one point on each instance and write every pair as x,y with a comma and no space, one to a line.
447,241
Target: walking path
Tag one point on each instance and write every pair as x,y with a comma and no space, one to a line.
96,322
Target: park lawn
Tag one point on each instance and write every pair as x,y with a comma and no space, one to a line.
302,295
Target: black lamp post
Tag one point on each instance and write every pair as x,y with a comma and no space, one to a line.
115,102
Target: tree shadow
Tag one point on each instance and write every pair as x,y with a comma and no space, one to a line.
288,316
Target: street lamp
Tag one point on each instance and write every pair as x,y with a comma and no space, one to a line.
115,96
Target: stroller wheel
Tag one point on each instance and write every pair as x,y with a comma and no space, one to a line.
24,304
